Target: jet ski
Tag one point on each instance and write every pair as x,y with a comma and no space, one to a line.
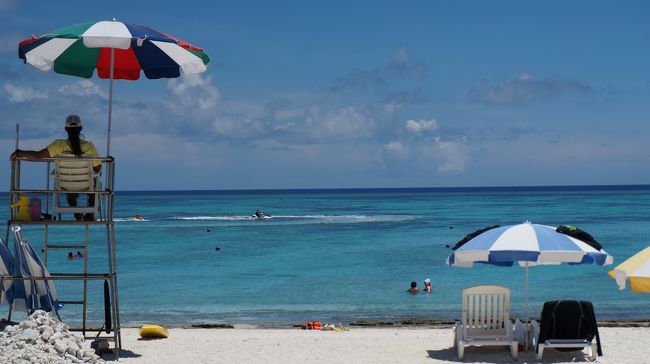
261,216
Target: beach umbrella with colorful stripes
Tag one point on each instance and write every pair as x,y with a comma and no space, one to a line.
636,270
119,51
527,245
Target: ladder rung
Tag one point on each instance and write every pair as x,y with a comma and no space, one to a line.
71,302
80,276
96,329
65,246
59,222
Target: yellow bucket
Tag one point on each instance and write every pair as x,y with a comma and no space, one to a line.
23,209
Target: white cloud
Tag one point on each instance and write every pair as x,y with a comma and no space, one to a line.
403,66
526,89
452,156
348,122
238,126
525,76
286,126
426,156
186,153
195,91
82,88
420,126
396,148
23,94
402,54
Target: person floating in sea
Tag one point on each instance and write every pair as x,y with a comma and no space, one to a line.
80,254
71,256
427,285
414,288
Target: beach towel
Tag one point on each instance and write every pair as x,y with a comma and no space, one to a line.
569,319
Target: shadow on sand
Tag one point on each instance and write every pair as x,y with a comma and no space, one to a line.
499,355
124,354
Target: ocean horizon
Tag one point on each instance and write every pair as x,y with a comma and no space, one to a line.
411,189
342,255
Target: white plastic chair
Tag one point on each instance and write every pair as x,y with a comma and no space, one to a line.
75,176
485,319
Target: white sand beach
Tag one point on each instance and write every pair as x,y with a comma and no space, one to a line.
359,345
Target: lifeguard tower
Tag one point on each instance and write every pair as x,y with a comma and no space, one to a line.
87,228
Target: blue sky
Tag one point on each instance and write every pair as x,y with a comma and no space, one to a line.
342,94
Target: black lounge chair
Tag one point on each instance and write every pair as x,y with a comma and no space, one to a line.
567,325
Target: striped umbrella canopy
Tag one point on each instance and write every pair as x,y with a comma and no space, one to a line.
528,244
6,262
636,270
30,294
117,50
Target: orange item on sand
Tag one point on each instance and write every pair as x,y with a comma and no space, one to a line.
313,325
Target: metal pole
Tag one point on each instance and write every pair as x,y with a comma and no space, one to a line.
14,184
110,103
526,293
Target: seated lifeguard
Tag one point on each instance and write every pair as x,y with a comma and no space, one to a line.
72,147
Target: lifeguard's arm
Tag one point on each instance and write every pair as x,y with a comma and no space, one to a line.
92,152
30,154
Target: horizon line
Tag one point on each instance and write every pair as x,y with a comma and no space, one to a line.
448,188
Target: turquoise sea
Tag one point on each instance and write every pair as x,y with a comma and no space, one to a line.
340,255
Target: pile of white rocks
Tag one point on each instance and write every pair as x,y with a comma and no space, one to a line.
42,339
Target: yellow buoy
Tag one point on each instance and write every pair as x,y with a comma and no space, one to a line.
153,332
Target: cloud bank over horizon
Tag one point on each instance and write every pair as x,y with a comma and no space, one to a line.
400,110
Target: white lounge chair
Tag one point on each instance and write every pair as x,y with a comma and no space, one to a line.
485,319
75,176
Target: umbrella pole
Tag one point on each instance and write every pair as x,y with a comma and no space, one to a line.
526,293
110,103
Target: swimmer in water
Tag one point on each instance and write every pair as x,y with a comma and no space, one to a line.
414,288
427,285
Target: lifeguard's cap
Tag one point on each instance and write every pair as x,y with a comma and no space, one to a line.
73,121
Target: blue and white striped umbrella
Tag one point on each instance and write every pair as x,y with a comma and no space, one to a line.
30,294
526,244
6,262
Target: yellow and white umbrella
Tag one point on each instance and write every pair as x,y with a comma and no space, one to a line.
636,270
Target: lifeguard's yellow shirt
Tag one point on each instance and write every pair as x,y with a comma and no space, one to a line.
61,148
